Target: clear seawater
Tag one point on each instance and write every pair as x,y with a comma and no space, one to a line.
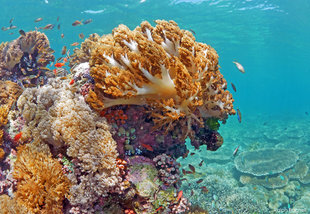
270,38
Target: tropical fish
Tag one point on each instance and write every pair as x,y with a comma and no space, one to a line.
93,11
11,33
62,35
76,23
81,35
186,154
159,208
236,151
204,189
192,31
12,27
75,44
58,26
18,136
11,20
87,21
147,147
192,153
71,82
192,168
233,86
180,194
200,164
239,115
21,32
199,181
38,19
63,50
4,28
48,27
239,66
57,18
59,64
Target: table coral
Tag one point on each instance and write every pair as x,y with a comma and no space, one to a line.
25,58
41,186
164,68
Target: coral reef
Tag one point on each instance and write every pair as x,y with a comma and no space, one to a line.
168,169
10,206
41,184
56,115
163,68
9,92
24,59
266,161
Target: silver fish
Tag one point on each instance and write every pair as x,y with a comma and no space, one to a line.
239,66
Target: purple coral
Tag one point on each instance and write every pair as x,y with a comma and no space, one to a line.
168,169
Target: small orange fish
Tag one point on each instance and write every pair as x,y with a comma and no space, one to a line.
18,136
180,195
76,23
147,147
75,44
59,64
65,60
159,208
55,71
71,82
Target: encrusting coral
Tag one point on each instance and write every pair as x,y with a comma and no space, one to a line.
25,58
58,116
161,67
41,184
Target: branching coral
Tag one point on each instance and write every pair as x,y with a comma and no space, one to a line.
26,57
58,116
164,68
41,186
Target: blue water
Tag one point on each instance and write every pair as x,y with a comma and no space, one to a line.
269,38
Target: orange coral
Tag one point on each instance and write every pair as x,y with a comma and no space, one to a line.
9,206
9,92
41,186
162,67
32,42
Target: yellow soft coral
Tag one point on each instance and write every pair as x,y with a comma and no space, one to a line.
41,184
162,67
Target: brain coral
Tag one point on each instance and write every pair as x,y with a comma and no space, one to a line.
266,161
163,68
41,184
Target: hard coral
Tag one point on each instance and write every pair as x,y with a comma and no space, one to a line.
41,186
164,68
24,59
